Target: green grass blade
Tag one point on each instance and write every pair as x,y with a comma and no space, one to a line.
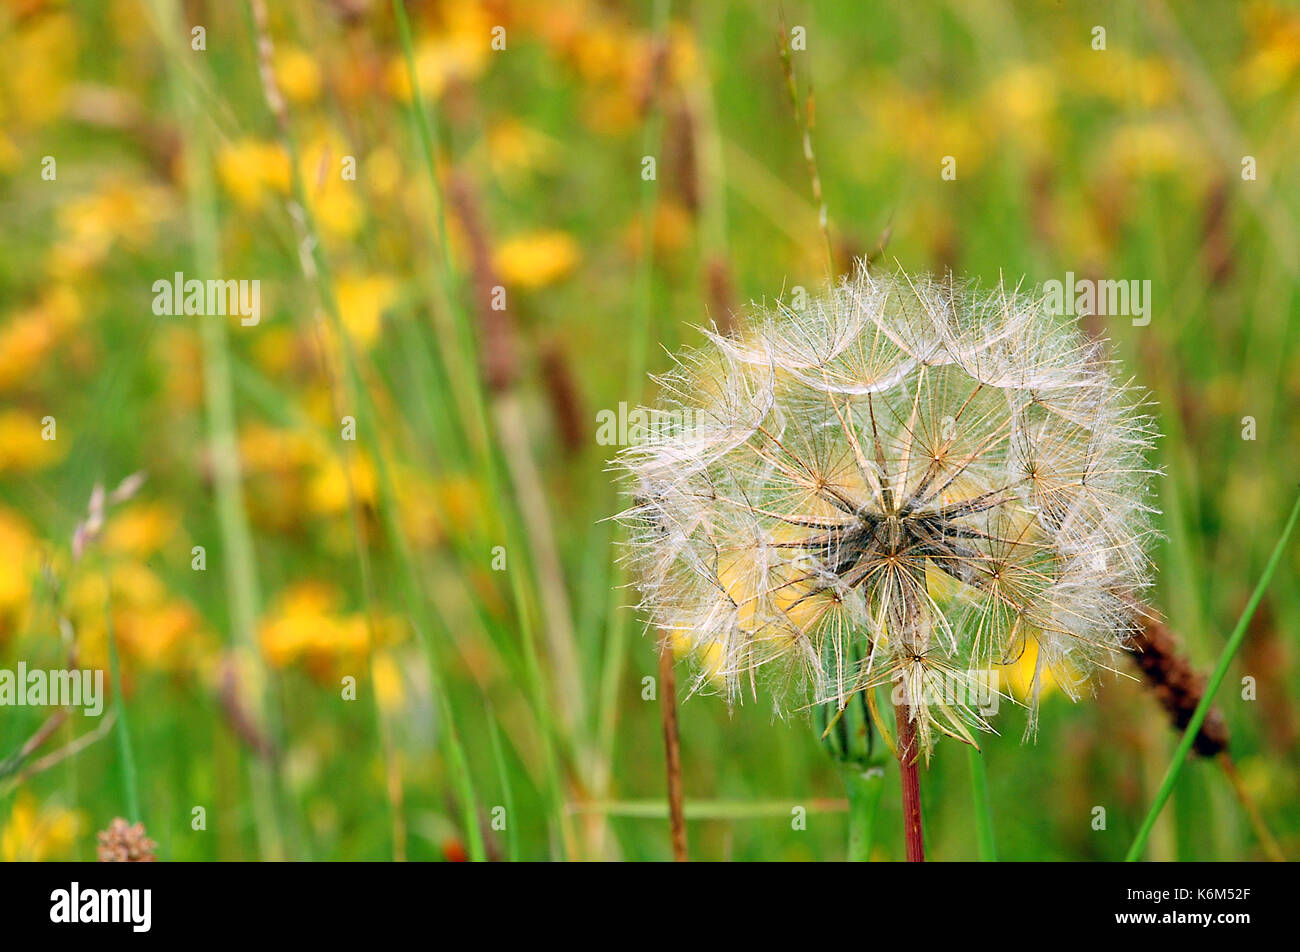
979,785
512,821
130,782
1216,679
865,788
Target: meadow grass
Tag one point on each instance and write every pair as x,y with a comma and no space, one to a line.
524,689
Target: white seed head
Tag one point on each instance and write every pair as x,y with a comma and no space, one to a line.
905,481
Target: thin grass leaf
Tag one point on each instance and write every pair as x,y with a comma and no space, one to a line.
1216,679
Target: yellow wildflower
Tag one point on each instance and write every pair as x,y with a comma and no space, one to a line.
362,300
18,555
304,625
298,74
151,626
40,57
390,692
331,485
142,529
537,259
1152,148
32,333
22,444
248,169
459,52
38,832
335,203
120,212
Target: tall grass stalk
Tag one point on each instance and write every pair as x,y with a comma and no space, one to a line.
865,789
1216,679
507,794
239,561
130,781
979,785
614,661
318,271
476,409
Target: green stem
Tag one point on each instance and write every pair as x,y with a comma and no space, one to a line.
238,555
512,821
475,406
979,784
865,788
130,785
1216,679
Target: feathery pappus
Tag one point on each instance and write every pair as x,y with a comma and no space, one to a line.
906,480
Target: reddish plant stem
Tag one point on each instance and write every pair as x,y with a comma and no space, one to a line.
672,751
907,757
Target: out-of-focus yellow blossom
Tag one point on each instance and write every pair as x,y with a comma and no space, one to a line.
29,335
141,529
917,126
163,636
38,832
275,349
1122,77
1152,148
335,201
265,448
125,18
672,226
683,55
40,55
328,491
459,50
1017,677
151,626
514,148
418,501
22,447
708,657
611,112
304,625
1021,101
536,259
461,499
383,171
317,398
1080,234
250,169
278,463
119,212
10,155
178,353
614,63
297,73
18,555
390,692
603,52
1275,42
362,300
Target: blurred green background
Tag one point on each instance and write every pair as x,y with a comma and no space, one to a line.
453,558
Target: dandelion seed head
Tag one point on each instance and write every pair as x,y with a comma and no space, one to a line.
906,480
